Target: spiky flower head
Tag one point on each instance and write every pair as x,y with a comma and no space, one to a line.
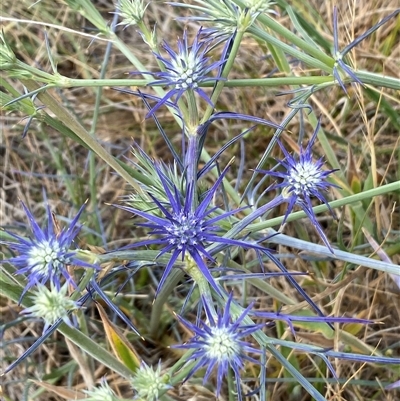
149,383
220,344
101,393
131,11
51,305
182,222
185,69
303,179
44,257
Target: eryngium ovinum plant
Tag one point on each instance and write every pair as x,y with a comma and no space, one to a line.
205,235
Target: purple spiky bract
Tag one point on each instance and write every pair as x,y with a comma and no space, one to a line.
219,344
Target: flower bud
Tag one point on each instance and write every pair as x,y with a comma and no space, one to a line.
132,11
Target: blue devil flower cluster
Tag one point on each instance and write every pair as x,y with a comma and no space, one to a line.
183,229
186,224
220,344
303,179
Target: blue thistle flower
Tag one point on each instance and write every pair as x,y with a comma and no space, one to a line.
45,256
186,69
184,226
340,55
219,344
303,179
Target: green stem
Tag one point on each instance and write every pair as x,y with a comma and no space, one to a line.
37,74
193,117
365,76
225,72
291,37
157,308
310,61
378,80
231,385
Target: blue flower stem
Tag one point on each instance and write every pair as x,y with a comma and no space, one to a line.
192,269
191,159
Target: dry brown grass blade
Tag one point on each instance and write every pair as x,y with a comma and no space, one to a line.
120,345
61,391
81,360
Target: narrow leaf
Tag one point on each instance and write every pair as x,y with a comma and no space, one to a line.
314,327
122,348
